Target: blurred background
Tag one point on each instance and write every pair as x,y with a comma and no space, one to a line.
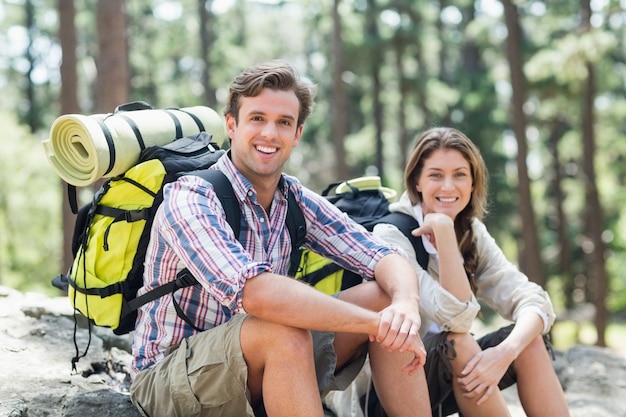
538,85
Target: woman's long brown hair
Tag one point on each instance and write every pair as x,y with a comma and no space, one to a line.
449,138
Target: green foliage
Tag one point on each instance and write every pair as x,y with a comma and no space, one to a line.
30,217
446,66
567,334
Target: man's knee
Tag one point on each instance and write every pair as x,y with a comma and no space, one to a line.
262,339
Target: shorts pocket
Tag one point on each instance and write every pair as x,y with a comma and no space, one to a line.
217,373
183,400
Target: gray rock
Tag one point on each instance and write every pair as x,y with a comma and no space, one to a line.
36,378
36,348
101,403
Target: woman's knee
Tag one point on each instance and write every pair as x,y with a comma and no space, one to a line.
464,342
464,346
536,350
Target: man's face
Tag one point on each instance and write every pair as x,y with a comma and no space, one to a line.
262,140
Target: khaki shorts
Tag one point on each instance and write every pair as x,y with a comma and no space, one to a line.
207,375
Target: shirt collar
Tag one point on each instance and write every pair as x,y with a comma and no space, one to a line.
242,187
419,215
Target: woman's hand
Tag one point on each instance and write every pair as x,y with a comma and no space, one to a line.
481,375
433,223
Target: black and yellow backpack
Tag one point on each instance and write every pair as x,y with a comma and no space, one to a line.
112,232
366,201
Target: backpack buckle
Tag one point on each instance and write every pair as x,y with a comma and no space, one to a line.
185,279
135,215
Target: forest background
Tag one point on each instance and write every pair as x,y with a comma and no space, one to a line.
538,85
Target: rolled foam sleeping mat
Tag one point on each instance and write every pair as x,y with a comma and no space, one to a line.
83,149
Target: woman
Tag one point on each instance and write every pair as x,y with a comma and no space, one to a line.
446,191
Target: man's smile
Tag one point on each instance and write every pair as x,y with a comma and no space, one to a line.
265,149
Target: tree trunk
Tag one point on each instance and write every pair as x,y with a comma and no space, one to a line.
403,91
207,40
556,190
339,115
598,284
113,78
375,63
69,105
530,257
421,78
112,84
31,116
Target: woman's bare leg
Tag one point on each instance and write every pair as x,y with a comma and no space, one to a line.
466,347
538,386
400,394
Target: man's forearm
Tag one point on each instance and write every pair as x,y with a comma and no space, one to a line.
286,301
396,277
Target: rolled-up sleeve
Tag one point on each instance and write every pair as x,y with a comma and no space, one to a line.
193,217
331,233
504,287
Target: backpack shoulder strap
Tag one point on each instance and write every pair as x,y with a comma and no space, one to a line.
295,222
406,224
224,190
296,225
226,195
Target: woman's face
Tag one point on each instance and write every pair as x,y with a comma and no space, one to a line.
446,183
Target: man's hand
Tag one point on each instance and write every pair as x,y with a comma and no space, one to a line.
398,331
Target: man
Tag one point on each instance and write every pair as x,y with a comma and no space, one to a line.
270,344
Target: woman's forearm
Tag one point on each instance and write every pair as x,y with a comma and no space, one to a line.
452,274
527,326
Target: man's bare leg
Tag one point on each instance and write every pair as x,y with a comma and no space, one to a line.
400,394
281,371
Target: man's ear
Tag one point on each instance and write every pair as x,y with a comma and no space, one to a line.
298,136
231,123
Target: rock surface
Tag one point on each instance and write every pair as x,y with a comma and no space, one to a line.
36,348
36,378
